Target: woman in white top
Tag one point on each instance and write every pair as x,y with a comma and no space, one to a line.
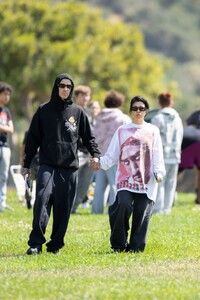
136,148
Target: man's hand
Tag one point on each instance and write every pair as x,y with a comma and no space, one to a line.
25,172
94,163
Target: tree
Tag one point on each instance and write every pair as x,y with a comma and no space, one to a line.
171,30
41,39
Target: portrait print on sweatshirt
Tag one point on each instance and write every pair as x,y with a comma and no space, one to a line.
135,159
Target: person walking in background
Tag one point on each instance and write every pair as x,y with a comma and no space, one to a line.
34,167
136,148
107,122
94,109
55,129
82,95
171,130
6,128
190,154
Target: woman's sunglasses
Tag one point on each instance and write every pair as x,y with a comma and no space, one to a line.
136,108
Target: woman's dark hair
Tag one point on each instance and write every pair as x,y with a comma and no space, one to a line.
114,99
194,119
137,99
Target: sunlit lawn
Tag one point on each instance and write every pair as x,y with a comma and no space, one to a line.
87,269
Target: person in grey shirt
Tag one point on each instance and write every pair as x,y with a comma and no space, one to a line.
171,130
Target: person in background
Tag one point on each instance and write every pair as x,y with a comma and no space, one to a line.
190,154
82,95
6,128
137,177
55,130
171,130
30,197
94,109
106,123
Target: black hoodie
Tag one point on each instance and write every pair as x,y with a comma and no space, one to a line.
56,128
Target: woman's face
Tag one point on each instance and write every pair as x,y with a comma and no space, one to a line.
138,112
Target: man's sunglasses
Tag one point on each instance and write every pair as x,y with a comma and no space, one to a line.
140,108
62,86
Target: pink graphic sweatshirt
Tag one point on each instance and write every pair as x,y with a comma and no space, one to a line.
138,153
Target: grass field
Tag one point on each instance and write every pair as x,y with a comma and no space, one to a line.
87,269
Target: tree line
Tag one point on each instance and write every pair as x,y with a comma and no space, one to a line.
40,39
171,30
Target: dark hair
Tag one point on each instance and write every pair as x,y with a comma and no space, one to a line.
194,119
137,99
114,99
5,87
165,99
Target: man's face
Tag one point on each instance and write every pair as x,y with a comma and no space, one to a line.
131,159
4,98
64,88
82,99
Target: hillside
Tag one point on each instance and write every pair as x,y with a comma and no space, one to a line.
171,30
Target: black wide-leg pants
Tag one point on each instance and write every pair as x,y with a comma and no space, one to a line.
55,190
127,204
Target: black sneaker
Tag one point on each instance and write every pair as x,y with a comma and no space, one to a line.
34,251
196,201
54,251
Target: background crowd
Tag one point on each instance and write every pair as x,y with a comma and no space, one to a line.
92,130
96,190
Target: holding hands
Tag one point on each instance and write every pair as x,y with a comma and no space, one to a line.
94,163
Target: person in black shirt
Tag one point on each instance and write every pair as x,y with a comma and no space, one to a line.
55,129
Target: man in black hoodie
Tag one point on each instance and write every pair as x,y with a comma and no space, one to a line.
55,129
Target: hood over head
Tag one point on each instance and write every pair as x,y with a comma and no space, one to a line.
54,94
109,114
170,112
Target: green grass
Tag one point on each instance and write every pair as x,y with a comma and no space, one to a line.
87,269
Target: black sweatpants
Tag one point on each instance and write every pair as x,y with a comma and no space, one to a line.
55,189
127,204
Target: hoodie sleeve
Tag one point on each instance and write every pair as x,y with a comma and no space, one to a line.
87,136
33,139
